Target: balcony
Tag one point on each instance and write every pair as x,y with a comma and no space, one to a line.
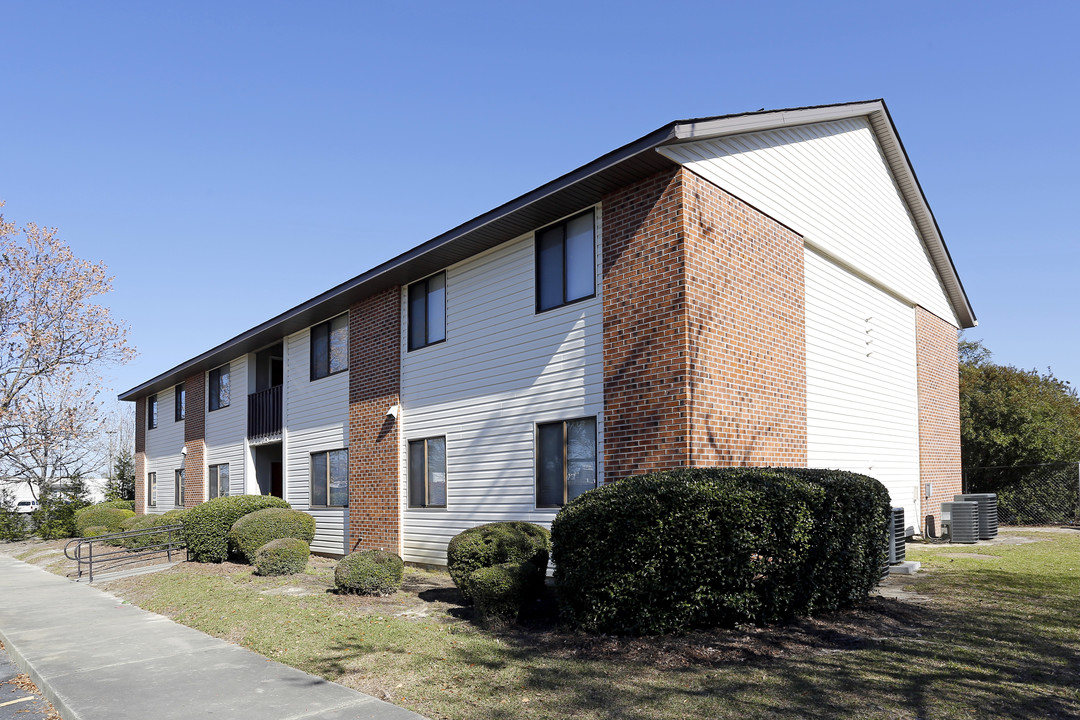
264,415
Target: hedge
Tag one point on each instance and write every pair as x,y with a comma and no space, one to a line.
284,556
145,522
369,572
502,591
101,516
95,531
494,544
254,530
207,525
118,504
676,550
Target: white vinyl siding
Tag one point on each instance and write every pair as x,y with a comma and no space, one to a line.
830,183
861,382
316,419
226,430
163,456
502,369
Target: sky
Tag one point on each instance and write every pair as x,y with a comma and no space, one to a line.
229,160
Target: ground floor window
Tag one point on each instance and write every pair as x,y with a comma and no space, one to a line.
565,460
151,489
427,473
330,478
179,499
219,480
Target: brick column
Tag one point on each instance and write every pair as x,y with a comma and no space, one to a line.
374,457
939,413
194,440
140,456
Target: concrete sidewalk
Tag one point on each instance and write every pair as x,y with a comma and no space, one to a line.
94,657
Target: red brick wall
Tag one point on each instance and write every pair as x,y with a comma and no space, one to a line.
939,413
704,349
646,418
140,456
194,440
374,386
747,340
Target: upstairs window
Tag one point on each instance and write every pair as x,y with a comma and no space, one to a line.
427,311
219,388
151,412
565,263
565,461
180,402
219,481
330,347
427,473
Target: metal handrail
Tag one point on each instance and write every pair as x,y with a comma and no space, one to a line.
122,556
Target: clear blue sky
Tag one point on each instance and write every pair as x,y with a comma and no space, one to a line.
229,160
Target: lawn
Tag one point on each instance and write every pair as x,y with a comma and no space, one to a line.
985,631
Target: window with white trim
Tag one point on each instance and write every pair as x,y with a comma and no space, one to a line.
178,500
151,489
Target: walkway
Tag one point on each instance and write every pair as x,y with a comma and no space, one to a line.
96,658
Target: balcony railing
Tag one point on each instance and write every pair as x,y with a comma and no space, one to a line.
264,414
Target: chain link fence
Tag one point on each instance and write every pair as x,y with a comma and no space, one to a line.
1030,494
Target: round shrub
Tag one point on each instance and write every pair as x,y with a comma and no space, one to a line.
254,530
108,517
501,592
206,526
369,572
284,556
95,531
696,548
145,522
495,544
118,504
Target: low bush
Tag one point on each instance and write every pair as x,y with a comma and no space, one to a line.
369,572
95,531
254,530
207,525
717,546
146,522
118,504
284,556
104,516
502,591
494,544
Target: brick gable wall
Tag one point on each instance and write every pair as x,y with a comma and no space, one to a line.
194,440
939,413
374,386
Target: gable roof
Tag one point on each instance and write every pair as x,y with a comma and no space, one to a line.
564,195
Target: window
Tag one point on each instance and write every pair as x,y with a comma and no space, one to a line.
219,481
427,311
151,489
427,473
565,267
330,478
565,461
180,402
219,388
178,500
151,412
330,347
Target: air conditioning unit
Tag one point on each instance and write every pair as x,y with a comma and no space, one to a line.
897,536
960,521
988,518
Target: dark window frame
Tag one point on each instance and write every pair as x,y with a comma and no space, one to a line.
213,397
427,475
329,467
213,481
539,460
179,402
537,281
425,283
151,489
178,493
151,412
318,373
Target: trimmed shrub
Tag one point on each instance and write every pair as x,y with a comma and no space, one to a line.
717,546
254,530
284,556
207,525
501,592
494,544
145,522
97,515
369,572
95,531
118,504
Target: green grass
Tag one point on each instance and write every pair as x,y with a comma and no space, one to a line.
986,638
